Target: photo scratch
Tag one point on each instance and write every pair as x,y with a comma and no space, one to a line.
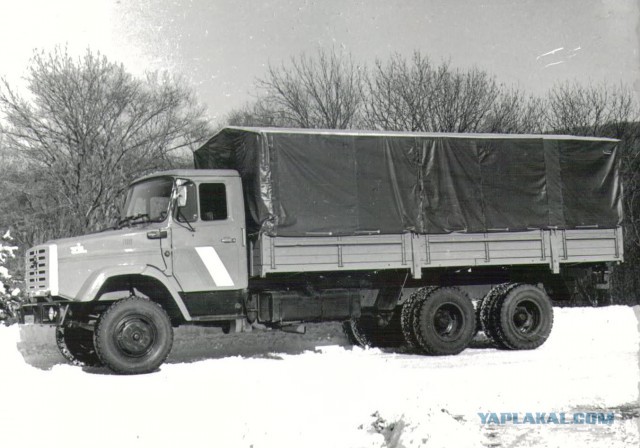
554,63
550,52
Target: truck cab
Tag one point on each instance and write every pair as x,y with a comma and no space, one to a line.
180,244
203,240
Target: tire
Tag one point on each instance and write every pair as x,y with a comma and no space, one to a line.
133,336
357,332
488,313
366,332
76,345
444,322
524,317
406,316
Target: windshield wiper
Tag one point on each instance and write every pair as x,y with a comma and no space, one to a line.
130,220
185,220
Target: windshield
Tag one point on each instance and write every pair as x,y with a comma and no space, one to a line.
148,201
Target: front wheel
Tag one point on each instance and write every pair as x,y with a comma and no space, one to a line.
133,335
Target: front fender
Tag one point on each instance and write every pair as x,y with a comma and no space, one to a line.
94,283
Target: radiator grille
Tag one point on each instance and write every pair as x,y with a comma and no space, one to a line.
37,271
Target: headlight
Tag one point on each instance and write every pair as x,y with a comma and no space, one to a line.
52,313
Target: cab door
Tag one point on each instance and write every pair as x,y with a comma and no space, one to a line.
208,239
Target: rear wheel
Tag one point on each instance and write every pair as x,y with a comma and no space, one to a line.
133,335
76,345
444,321
407,313
488,313
525,318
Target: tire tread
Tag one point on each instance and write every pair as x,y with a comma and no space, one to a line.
407,316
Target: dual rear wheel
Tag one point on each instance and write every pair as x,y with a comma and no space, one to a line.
517,316
443,320
436,321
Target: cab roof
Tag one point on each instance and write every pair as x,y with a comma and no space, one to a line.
188,173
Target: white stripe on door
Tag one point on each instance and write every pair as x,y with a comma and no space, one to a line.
215,266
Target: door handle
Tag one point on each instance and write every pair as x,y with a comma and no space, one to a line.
157,234
228,239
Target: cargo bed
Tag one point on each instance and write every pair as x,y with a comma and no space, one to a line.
415,252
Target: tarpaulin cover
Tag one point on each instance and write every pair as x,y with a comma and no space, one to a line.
302,182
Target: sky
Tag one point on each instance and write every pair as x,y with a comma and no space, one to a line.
222,46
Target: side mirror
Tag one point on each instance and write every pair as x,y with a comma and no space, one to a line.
182,195
181,191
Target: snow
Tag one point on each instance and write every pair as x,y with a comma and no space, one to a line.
274,389
4,252
7,250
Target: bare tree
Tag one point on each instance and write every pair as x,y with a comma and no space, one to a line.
598,110
258,113
400,94
515,113
86,128
417,95
462,99
324,91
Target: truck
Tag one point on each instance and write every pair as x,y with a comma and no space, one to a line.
417,239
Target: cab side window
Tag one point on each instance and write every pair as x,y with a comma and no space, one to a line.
213,202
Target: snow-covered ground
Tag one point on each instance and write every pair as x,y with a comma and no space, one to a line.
274,389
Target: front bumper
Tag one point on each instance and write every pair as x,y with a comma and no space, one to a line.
47,313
